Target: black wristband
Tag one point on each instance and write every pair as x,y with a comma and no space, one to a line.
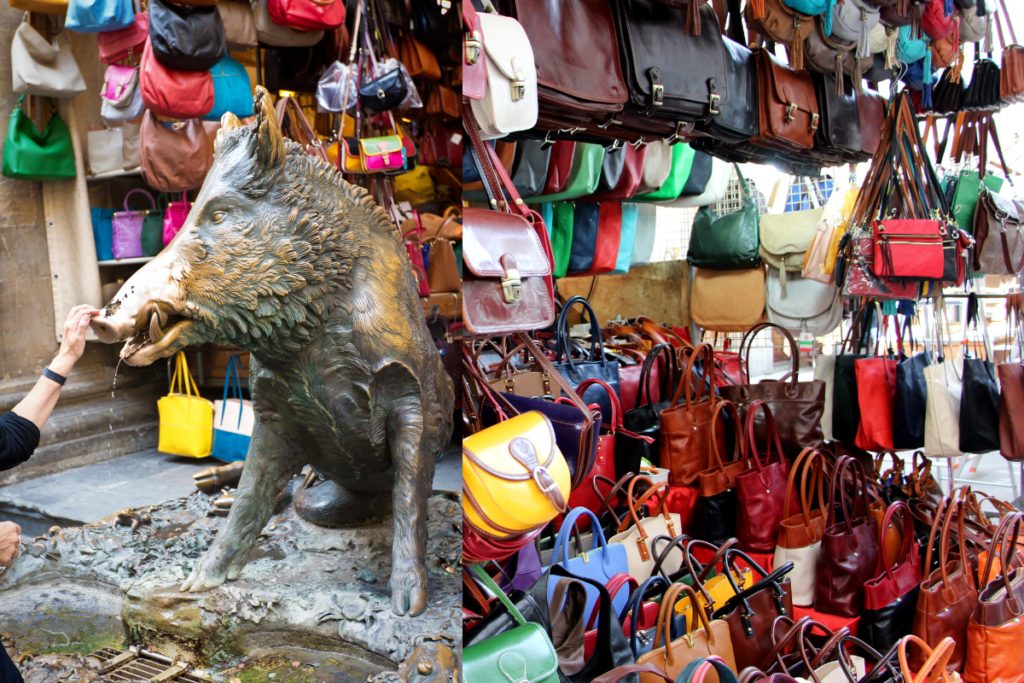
50,374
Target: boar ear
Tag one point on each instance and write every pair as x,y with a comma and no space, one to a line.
228,122
269,142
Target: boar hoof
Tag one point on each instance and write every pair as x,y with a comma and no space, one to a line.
210,572
408,590
329,504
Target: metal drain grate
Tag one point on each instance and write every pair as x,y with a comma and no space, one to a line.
137,664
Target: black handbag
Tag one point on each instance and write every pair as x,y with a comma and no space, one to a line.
983,92
948,95
611,169
911,399
714,517
597,366
979,403
845,409
292,68
645,419
384,93
739,117
839,129
186,38
700,174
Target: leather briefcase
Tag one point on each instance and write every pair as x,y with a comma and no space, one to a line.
839,132
788,106
780,24
737,120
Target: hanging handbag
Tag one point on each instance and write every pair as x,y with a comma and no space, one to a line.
103,232
715,191
638,535
600,563
152,231
127,228
442,269
174,159
130,138
174,219
233,416
643,240
714,517
657,166
979,402
786,237
1011,383
760,488
876,397
585,223
232,91
307,15
125,43
800,535
727,242
908,249
172,93
627,237
802,305
510,102
295,126
890,598
186,419
910,405
239,25
682,164
787,103
1011,84
796,406
420,61
609,233
96,16
999,231
686,429
42,67
594,366
645,418
526,649
31,155
848,556
727,300
106,150
186,38
582,178
273,35
384,92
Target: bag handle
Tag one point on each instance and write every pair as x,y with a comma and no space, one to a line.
616,416
596,341
699,571
636,604
707,377
791,390
234,374
771,433
615,493
884,563
648,369
739,446
808,457
678,543
146,194
183,378
489,584
771,580
666,614
635,503
597,541
936,661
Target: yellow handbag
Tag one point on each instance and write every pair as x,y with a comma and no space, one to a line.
514,478
714,592
417,180
849,202
186,419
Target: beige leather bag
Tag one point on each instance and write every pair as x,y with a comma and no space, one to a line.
42,67
174,159
239,25
271,34
727,300
657,167
106,151
786,237
640,534
130,134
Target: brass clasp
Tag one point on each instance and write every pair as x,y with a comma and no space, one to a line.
518,85
791,113
814,123
713,101
512,286
473,47
658,94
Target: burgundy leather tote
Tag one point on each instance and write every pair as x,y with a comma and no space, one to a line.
760,487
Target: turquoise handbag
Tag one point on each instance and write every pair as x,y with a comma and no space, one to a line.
629,217
31,155
523,654
547,214
682,164
103,233
232,91
97,16
583,177
814,7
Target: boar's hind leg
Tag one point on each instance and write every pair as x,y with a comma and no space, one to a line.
413,461
270,464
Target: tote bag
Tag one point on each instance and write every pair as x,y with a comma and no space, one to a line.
127,227
42,67
186,419
102,233
233,417
942,417
31,155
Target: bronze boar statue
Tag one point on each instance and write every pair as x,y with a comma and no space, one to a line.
283,258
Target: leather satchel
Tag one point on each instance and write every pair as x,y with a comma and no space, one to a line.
788,106
384,93
687,428
419,60
173,93
174,159
186,38
1011,74
853,22
999,231
737,120
443,268
802,305
780,24
510,103
727,300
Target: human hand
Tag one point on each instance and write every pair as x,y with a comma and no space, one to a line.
72,345
10,538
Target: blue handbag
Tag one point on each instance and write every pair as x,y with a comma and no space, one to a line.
233,421
630,213
97,16
600,563
814,7
103,233
232,91
586,219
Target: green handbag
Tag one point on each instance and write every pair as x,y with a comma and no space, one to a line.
561,236
682,163
965,197
153,233
521,655
727,243
31,155
583,177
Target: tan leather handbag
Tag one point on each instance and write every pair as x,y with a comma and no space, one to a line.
713,638
419,61
727,300
174,159
239,25
443,269
687,427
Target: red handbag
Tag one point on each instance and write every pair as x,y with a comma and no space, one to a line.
937,25
559,166
908,248
177,94
895,576
614,585
862,281
876,397
609,233
585,495
307,15
629,181
761,488
632,378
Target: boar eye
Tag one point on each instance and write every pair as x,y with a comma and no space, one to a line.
218,216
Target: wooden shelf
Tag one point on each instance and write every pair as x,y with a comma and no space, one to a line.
127,261
114,174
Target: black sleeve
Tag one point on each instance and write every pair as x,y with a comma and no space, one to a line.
18,440
8,672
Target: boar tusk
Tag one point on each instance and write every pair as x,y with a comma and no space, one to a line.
155,333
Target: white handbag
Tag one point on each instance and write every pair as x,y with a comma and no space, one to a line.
657,167
273,35
717,187
42,67
639,538
803,305
113,115
801,579
945,384
106,151
233,417
975,28
510,102
643,239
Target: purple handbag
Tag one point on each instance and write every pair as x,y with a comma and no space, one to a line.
524,568
128,228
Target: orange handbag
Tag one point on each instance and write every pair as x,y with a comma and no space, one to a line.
686,427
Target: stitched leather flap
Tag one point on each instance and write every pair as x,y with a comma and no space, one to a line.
389,144
495,452
790,86
489,235
119,84
789,233
1003,206
507,45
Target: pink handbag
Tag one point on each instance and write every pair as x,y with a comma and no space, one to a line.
124,43
119,83
127,228
415,249
174,218
307,15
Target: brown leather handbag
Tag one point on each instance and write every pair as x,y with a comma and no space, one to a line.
686,428
999,231
174,159
788,105
442,268
721,476
712,638
1011,75
995,633
796,406
1011,397
778,23
419,61
295,126
533,383
444,102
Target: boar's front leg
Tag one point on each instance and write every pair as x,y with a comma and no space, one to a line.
271,462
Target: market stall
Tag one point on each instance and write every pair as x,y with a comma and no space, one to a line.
721,429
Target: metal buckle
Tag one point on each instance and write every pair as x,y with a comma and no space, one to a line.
512,286
380,93
713,101
473,47
536,478
644,553
791,113
658,95
518,87
814,123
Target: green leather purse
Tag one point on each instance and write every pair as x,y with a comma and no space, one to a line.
561,236
727,243
31,155
583,177
682,164
966,194
521,655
